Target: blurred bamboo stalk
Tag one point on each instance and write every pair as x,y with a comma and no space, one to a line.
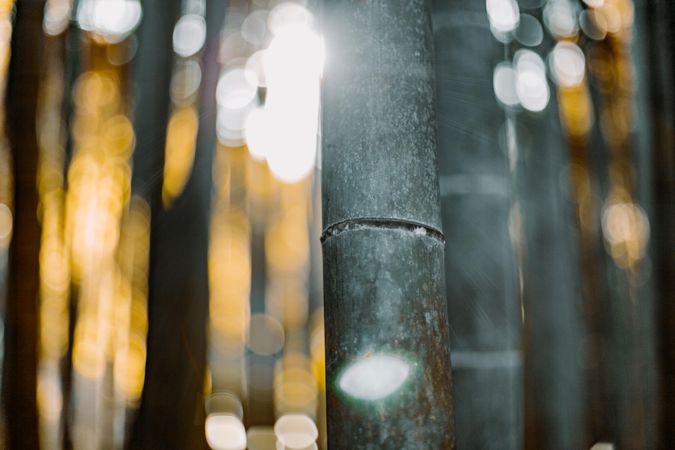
21,333
655,163
627,318
178,279
481,271
554,327
54,262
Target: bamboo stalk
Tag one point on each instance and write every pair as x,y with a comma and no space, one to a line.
554,324
476,196
387,358
172,407
656,164
21,314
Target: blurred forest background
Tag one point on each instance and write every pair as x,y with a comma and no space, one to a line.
160,221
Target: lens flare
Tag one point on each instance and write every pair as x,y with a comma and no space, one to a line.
374,377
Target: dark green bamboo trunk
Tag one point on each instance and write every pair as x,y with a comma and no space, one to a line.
554,323
171,415
554,327
152,68
152,75
385,309
481,276
21,313
656,82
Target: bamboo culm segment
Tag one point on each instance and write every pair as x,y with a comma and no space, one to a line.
387,356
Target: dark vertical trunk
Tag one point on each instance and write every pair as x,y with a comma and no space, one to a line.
260,401
584,181
554,323
627,310
72,53
387,358
259,410
21,332
554,327
152,67
654,38
172,409
73,69
481,276
152,75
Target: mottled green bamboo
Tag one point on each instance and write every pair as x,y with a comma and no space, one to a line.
385,307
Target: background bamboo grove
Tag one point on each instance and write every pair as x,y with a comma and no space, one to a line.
482,194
